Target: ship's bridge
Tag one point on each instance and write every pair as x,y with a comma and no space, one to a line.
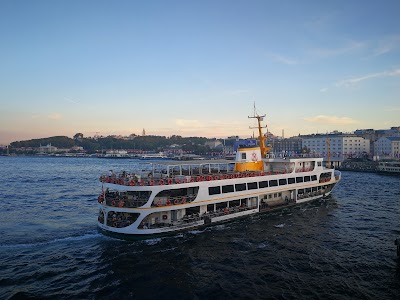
248,159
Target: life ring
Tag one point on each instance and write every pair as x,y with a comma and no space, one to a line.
262,174
159,203
141,183
169,181
216,177
247,174
203,178
198,179
113,203
176,201
241,175
183,200
191,179
222,177
164,217
177,181
168,203
121,203
151,182
161,182
236,175
277,172
132,183
232,176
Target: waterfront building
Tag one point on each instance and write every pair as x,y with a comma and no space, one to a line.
286,146
387,147
341,146
374,134
47,149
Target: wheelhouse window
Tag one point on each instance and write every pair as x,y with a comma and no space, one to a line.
227,189
243,155
240,187
252,186
299,179
214,190
314,177
291,180
263,184
307,178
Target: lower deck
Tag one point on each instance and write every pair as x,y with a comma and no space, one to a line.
204,213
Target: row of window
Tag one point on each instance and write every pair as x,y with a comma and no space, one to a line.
230,188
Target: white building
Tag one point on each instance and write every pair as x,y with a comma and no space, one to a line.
387,147
340,146
47,149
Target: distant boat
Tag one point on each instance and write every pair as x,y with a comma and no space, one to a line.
389,167
115,154
159,155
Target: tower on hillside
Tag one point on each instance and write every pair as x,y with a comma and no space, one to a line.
144,132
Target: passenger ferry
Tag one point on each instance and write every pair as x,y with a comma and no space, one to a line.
164,197
389,167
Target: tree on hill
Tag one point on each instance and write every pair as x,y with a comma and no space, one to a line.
56,141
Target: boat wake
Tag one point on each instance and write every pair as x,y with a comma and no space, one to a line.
85,236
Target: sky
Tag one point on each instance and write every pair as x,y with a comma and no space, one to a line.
197,68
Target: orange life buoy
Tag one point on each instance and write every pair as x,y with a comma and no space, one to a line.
191,179
151,182
159,203
216,177
161,182
169,181
168,202
132,183
177,181
121,203
141,183
198,178
176,201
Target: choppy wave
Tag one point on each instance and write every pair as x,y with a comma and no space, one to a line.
49,247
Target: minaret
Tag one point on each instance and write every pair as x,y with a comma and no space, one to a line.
144,132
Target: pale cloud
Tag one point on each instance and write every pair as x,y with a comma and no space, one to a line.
334,120
283,59
55,116
355,80
387,45
323,90
352,46
188,123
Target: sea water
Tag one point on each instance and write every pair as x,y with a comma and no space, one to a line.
341,248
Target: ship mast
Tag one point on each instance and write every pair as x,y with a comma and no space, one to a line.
261,137
328,146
